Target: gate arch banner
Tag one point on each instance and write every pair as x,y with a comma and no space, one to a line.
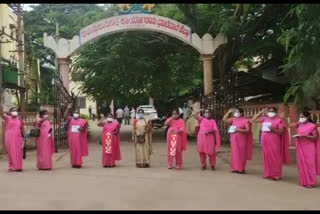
135,22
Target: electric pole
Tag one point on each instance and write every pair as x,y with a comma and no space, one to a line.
20,38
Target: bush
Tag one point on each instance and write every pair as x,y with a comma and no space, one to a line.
85,117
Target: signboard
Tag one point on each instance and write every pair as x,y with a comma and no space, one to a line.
136,22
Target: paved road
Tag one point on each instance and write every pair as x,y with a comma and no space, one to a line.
127,187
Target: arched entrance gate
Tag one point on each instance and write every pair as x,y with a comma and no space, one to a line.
138,20
206,45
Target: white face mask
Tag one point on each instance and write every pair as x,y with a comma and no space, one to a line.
236,114
14,113
302,120
207,115
75,115
45,116
109,119
271,114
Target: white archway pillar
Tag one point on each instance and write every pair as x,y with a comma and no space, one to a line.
207,73
63,64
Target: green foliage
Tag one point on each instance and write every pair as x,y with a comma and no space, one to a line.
134,65
86,118
302,65
43,18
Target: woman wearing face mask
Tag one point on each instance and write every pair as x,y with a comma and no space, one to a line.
142,139
45,145
308,150
208,139
77,138
110,141
176,139
13,139
274,143
241,140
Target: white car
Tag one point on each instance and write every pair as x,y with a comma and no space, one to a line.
149,111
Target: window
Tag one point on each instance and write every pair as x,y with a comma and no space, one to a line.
81,102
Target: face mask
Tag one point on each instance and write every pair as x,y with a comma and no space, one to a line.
140,115
45,116
14,113
75,115
236,114
109,119
302,120
271,114
207,115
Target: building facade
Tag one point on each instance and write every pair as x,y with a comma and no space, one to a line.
83,101
9,59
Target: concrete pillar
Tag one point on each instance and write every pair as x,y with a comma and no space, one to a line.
207,73
64,71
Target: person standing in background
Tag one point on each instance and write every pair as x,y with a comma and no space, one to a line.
90,112
126,116
94,113
119,114
133,117
186,112
132,114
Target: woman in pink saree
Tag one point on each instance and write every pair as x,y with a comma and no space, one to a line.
274,143
307,150
45,145
110,141
14,134
176,139
208,139
77,138
241,140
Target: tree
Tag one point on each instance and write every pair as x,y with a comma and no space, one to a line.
42,19
302,65
128,67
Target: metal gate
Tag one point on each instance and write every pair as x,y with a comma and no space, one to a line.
225,95
62,100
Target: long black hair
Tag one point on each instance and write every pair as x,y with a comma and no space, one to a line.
140,110
42,113
210,112
273,108
13,108
241,111
307,115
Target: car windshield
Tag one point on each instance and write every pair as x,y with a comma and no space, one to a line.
147,107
